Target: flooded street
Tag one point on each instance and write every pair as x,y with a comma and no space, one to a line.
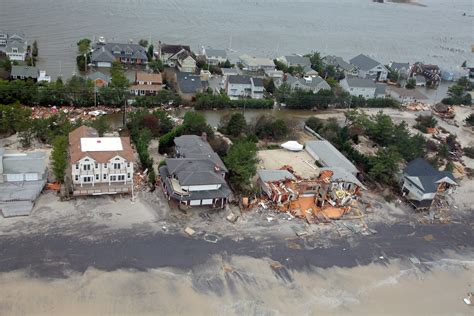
437,32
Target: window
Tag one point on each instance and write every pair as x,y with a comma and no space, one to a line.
128,175
105,165
87,167
87,179
77,166
121,177
128,165
77,177
105,176
116,166
97,177
96,165
113,178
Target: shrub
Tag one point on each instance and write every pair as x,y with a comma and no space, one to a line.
469,152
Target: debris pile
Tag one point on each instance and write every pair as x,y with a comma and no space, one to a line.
417,106
73,113
330,196
444,111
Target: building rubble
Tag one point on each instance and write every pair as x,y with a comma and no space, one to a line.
331,195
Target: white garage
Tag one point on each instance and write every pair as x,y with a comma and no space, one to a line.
195,202
14,177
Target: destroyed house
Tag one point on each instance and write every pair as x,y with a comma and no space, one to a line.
272,182
421,183
100,165
22,178
196,177
326,155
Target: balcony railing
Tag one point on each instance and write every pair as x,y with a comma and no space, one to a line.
117,171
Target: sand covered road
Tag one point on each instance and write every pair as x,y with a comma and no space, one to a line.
247,286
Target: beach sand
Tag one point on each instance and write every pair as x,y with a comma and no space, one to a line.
247,286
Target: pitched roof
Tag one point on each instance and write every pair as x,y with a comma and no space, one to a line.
109,51
191,171
364,62
33,162
256,61
102,55
24,71
188,82
338,62
257,82
76,152
427,178
275,175
340,174
210,52
149,77
412,93
192,146
298,60
329,156
399,66
239,79
98,75
356,82
174,49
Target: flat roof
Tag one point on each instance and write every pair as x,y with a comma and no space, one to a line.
101,144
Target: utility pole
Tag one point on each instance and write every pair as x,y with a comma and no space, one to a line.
124,110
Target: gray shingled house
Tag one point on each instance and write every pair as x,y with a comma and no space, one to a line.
196,177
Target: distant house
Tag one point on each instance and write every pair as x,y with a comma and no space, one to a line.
100,165
420,81
403,69
215,56
186,62
274,74
421,183
369,68
196,177
103,55
406,95
24,73
431,73
238,86
326,155
295,61
340,65
187,85
308,71
169,53
359,87
226,72
146,83
22,178
100,80
14,45
43,77
308,83
256,63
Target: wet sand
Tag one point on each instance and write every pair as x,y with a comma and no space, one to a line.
246,286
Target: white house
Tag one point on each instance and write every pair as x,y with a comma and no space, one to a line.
214,56
100,165
405,95
238,86
14,45
295,61
308,83
359,87
369,68
256,63
186,62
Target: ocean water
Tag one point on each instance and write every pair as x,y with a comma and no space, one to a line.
437,32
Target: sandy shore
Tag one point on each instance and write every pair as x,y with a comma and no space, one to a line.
245,286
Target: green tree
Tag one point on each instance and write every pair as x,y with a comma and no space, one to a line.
411,83
316,62
393,75
314,123
83,46
34,51
101,126
279,65
195,124
470,120
143,43
241,161
236,125
384,165
7,64
149,53
59,157
156,65
269,85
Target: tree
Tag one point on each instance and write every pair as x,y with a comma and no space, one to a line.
269,85
384,165
316,62
101,126
34,51
411,83
59,157
314,123
424,122
7,64
464,64
393,75
195,123
268,127
470,120
150,53
236,125
241,161
279,65
156,65
83,46
143,43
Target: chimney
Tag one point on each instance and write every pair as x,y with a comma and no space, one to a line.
204,136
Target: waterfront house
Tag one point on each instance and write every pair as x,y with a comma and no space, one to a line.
326,155
43,77
369,68
103,55
185,62
403,69
100,165
340,64
256,63
14,45
421,183
22,178
359,87
146,83
214,56
431,73
24,73
187,85
403,95
169,53
308,83
295,61
196,176
99,79
239,86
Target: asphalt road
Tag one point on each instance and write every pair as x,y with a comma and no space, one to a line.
54,255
